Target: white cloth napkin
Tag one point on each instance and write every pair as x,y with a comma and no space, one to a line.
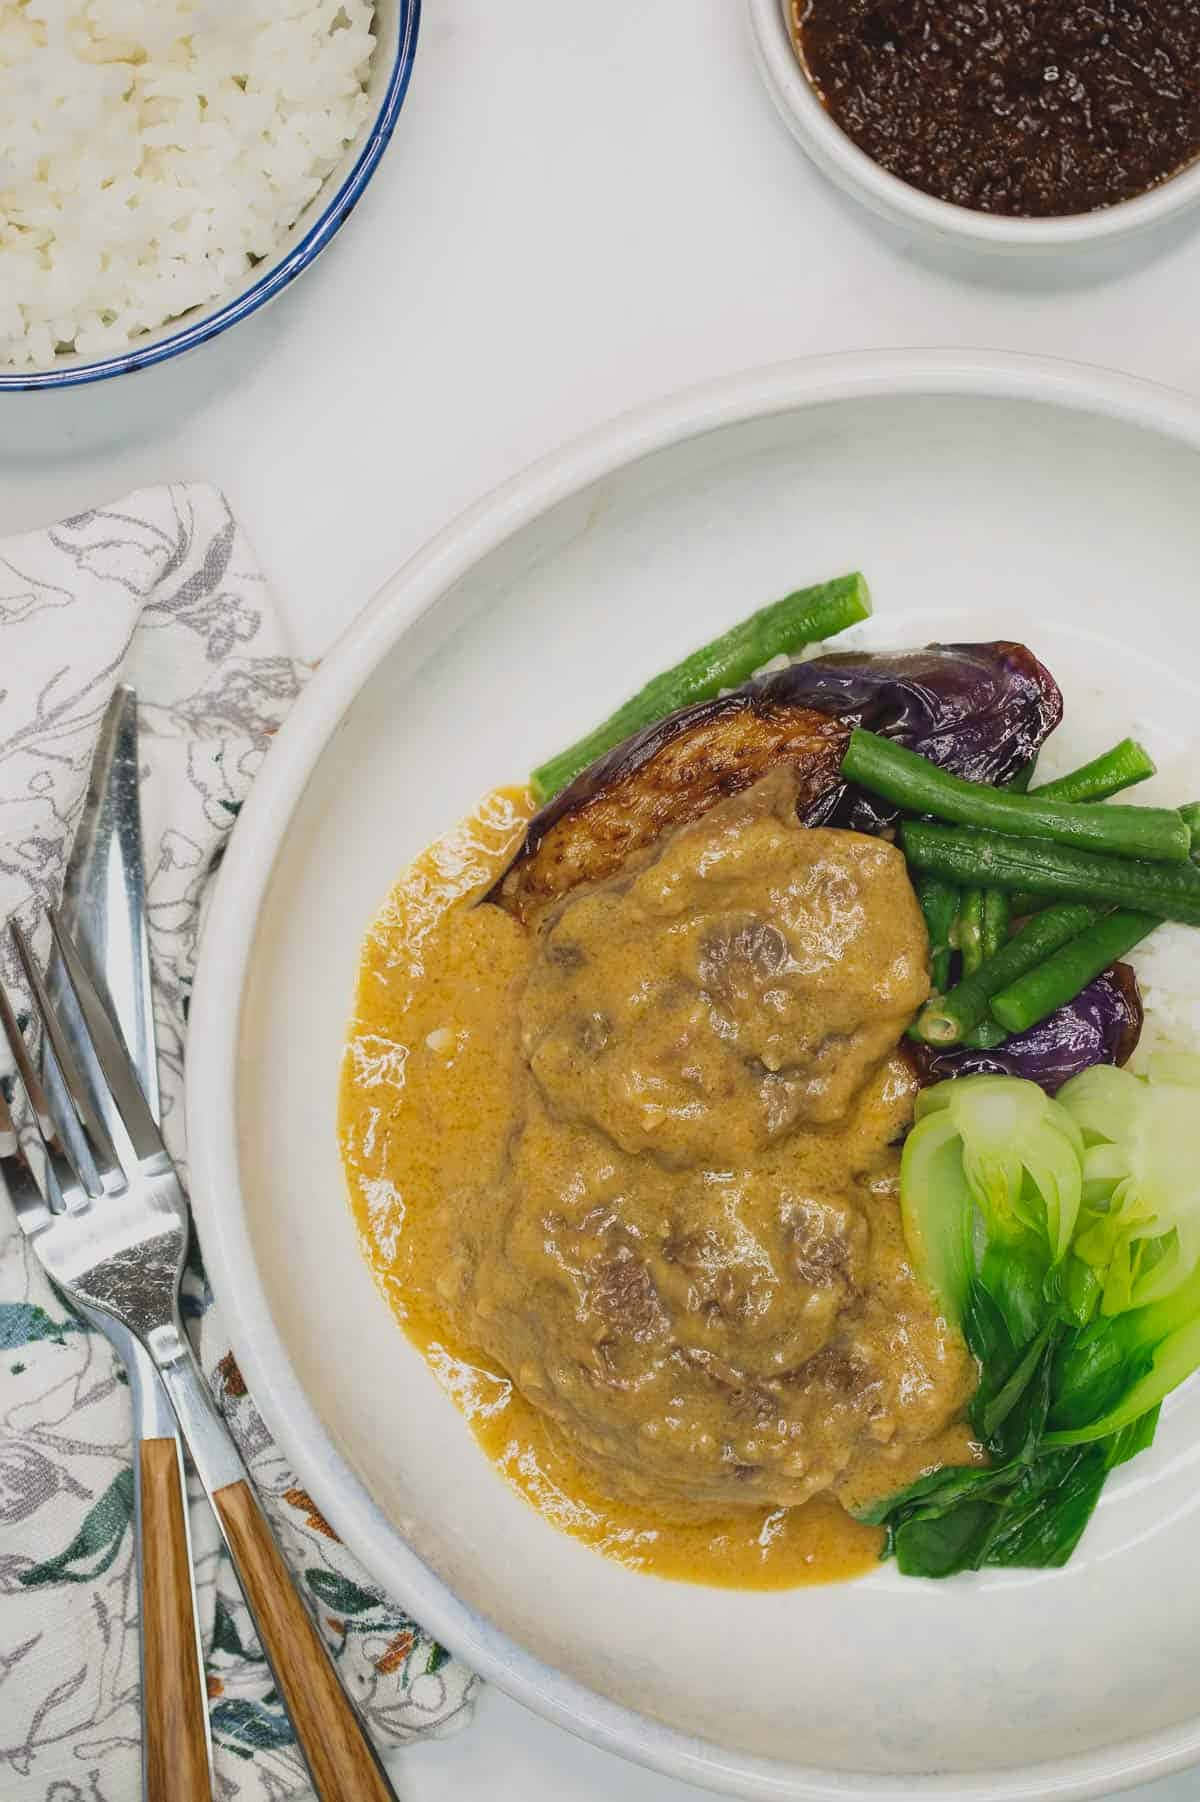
163,591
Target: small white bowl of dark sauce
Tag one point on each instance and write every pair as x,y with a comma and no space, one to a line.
1032,206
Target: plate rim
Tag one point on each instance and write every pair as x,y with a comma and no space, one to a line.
214,1032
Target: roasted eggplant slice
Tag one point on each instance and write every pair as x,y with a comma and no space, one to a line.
981,710
661,778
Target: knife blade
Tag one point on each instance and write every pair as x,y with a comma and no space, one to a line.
104,891
104,907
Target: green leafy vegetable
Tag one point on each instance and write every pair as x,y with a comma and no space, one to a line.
997,1145
1063,1238
1141,1229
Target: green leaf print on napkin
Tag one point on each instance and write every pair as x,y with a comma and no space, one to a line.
339,1593
247,1727
226,1638
23,1322
165,592
97,1542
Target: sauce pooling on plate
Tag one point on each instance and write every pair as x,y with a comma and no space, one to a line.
426,1107
1030,108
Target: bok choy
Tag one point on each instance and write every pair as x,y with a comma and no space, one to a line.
1063,1237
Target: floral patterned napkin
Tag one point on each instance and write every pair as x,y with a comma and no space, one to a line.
163,591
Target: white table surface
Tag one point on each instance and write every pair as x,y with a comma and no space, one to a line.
585,206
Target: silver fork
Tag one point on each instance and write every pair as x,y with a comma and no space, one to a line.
104,906
118,1243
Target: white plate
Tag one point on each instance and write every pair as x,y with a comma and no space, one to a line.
984,496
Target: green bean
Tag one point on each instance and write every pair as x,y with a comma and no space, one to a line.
997,909
996,915
949,1019
939,904
1119,768
1170,891
1095,781
985,1037
1061,977
1190,815
1022,902
912,782
1105,775
970,929
799,619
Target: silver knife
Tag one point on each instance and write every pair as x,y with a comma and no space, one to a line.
104,905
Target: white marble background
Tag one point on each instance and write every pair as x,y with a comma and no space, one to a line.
587,204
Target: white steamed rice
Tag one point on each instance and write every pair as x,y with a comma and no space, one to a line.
152,150
1168,962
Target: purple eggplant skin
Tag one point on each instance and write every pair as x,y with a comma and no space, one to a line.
980,710
1101,1026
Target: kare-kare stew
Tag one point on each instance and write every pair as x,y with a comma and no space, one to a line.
735,1132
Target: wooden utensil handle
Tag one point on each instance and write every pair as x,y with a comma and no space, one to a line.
173,1695
342,1761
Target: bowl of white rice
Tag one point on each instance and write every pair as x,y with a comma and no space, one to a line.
168,166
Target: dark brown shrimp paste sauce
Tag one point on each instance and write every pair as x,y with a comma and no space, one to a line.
1031,108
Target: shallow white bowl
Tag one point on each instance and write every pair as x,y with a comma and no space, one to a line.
895,200
984,496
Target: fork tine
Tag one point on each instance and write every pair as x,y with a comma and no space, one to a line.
26,1073
96,1133
31,1206
108,1048
70,1184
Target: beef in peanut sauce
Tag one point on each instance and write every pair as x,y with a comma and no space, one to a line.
687,1259
622,1116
